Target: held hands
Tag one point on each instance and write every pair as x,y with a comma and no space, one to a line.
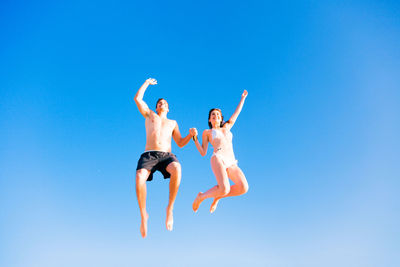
244,94
193,133
151,81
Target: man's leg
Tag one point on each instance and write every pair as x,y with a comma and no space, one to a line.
141,191
174,168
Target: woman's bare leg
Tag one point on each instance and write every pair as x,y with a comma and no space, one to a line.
239,188
219,190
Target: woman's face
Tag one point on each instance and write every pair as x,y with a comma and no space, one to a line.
215,117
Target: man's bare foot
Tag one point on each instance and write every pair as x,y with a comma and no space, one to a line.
196,202
143,225
214,205
170,220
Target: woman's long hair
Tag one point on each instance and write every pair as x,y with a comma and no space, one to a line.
209,115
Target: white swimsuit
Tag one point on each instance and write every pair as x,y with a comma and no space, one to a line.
218,138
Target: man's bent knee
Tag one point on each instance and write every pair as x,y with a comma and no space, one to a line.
174,168
142,175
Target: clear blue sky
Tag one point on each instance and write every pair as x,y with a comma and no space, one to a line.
318,137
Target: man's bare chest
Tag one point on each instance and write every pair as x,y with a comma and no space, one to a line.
160,124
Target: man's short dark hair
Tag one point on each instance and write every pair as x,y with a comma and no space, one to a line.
160,100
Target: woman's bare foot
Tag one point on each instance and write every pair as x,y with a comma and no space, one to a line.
197,201
143,225
214,205
169,222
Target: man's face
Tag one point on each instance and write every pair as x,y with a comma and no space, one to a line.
162,105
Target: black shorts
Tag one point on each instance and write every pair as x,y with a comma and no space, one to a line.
156,161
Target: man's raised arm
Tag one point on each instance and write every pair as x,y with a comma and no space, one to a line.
142,106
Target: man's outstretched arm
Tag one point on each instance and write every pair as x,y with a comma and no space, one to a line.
142,106
181,142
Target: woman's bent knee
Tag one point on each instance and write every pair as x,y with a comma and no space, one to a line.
245,188
223,190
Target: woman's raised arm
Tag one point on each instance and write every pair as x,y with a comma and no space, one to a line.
234,116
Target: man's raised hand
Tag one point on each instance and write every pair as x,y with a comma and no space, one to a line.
151,81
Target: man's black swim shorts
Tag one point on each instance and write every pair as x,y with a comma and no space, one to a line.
156,161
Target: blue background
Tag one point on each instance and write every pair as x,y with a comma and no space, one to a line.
318,137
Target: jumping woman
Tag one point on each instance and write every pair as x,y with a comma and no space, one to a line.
223,162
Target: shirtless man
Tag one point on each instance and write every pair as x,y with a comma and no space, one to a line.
157,155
